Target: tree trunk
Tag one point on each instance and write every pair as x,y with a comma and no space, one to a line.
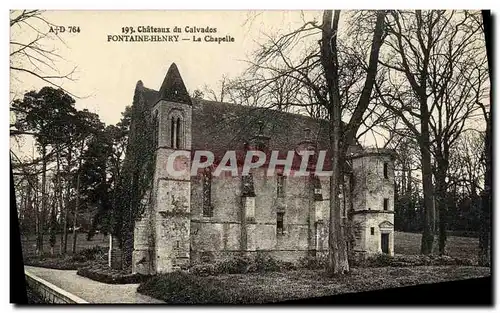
59,195
41,226
52,223
442,202
337,246
485,229
36,209
75,217
66,209
429,213
27,222
77,203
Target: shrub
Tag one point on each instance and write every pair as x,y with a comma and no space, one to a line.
313,263
447,260
57,262
265,263
424,260
90,254
380,260
241,265
184,288
206,269
105,274
236,265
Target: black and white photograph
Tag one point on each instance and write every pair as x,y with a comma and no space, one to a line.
240,157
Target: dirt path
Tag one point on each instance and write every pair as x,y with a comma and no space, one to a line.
90,290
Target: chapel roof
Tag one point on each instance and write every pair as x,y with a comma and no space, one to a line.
220,126
173,88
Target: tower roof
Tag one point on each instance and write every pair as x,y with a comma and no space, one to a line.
173,88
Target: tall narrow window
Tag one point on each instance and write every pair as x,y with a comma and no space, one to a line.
279,222
207,193
178,134
280,186
172,133
248,187
372,230
318,196
156,122
386,204
386,171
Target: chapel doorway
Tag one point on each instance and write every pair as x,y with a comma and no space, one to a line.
385,243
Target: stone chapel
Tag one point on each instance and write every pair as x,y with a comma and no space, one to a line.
201,218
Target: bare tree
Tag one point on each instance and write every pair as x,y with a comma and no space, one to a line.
467,163
431,83
219,94
29,54
339,142
332,80
485,234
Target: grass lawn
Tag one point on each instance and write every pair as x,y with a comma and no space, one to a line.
460,247
404,243
28,243
291,285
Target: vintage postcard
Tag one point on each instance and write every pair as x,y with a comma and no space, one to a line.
251,157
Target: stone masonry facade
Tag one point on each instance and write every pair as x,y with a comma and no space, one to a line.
201,218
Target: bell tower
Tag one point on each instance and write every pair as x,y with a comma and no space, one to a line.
172,113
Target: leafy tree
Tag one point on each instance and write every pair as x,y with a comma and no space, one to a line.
88,127
44,115
134,183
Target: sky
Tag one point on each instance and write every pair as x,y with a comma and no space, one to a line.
107,72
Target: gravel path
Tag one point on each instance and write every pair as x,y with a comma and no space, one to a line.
90,290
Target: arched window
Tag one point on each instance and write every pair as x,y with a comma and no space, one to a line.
172,133
176,129
156,124
207,192
178,134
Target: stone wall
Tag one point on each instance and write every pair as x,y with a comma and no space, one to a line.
50,293
371,243
230,232
369,191
171,215
142,256
172,225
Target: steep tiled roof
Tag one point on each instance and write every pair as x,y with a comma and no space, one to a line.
219,127
173,88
